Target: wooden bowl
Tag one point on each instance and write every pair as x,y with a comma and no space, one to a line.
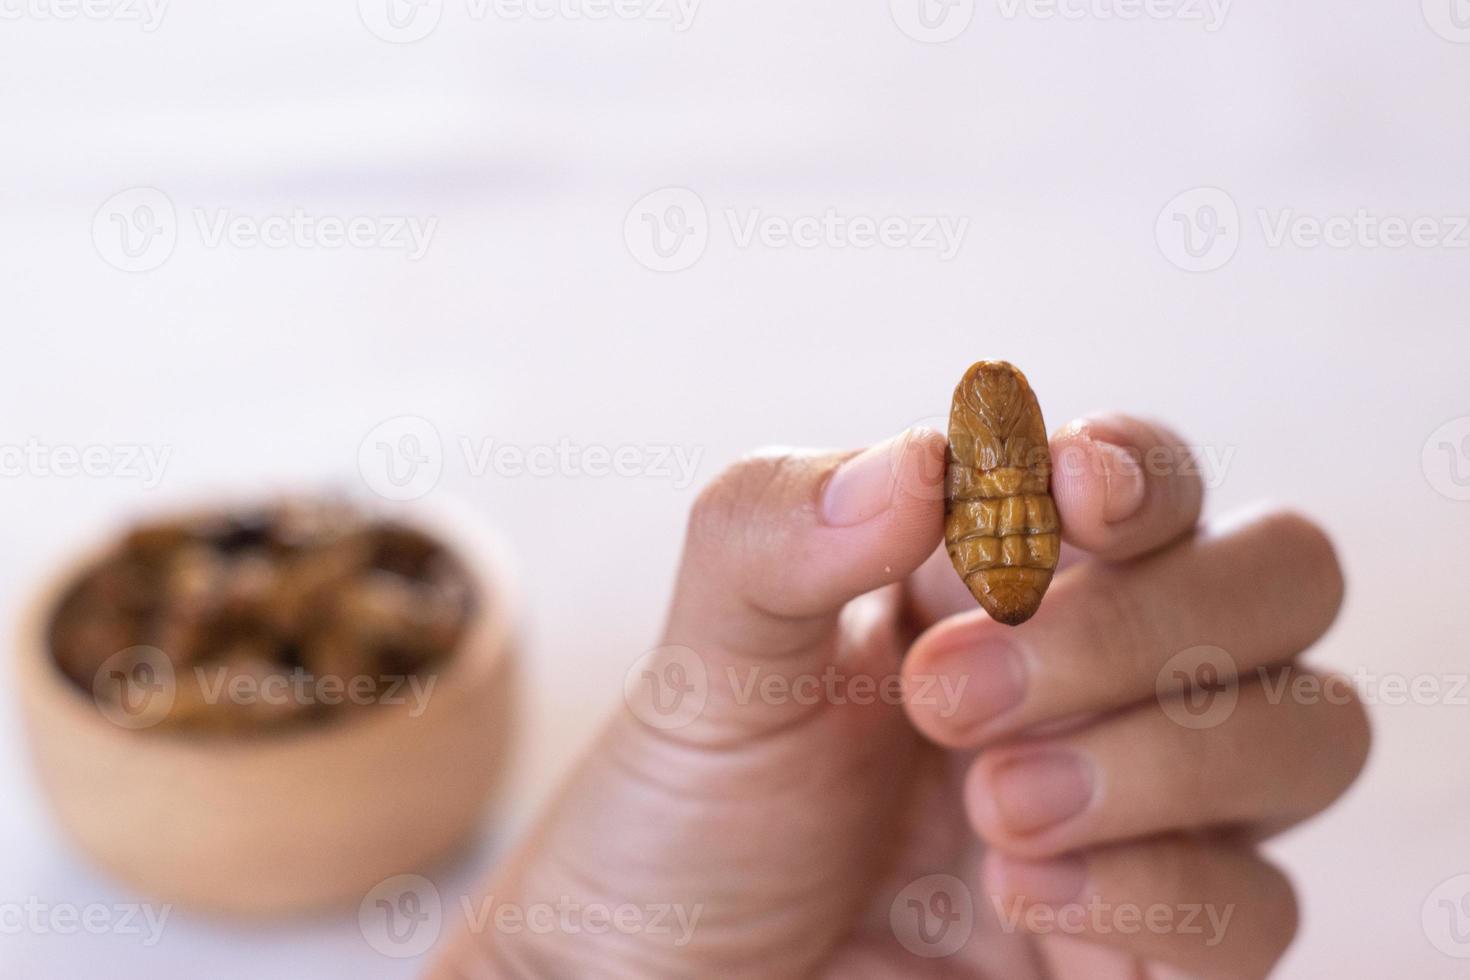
278,823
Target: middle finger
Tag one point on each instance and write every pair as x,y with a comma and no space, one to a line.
1263,592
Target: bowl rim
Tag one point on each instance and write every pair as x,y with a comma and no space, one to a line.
482,652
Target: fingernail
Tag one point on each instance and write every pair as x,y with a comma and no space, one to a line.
985,681
862,488
1058,882
1041,790
1124,487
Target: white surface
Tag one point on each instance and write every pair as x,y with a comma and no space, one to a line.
1324,371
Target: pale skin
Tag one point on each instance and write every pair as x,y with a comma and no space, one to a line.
1036,766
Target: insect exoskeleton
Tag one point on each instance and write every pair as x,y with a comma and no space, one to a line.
1001,526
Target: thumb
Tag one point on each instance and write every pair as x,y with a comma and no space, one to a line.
776,547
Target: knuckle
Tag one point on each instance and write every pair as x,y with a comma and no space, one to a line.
729,505
1115,622
1172,867
746,524
1200,775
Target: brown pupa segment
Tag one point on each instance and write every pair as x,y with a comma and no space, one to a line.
1000,524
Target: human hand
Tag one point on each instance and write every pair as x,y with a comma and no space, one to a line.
793,824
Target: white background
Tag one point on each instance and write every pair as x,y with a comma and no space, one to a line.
1321,372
